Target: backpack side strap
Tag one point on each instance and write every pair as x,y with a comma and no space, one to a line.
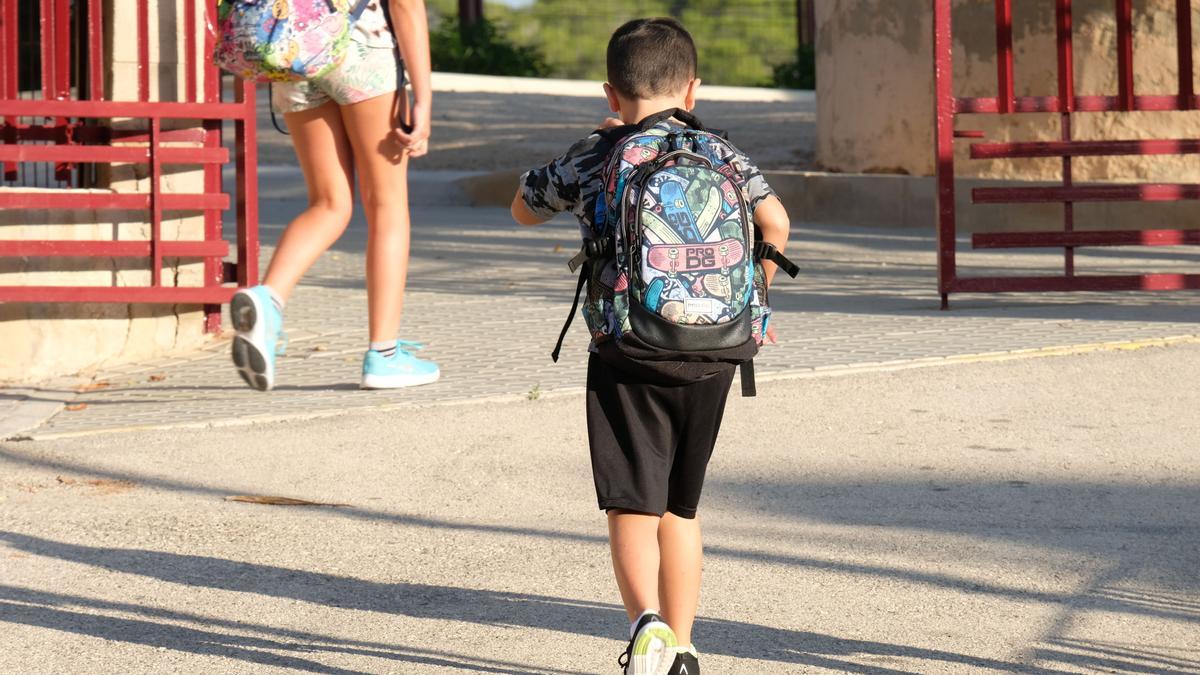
358,10
749,390
767,251
592,251
583,275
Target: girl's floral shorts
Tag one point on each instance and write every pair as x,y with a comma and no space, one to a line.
365,73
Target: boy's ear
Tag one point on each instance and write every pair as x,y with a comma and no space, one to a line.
614,103
689,101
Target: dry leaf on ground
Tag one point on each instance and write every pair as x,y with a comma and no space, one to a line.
75,406
276,501
104,486
93,386
158,377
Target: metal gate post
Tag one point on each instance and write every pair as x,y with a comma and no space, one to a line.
73,139
1066,102
944,127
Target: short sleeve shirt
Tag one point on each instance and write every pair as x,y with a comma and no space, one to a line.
574,182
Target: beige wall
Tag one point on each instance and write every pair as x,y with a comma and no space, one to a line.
44,340
875,84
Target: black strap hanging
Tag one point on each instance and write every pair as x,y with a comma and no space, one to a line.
749,389
583,275
767,251
271,105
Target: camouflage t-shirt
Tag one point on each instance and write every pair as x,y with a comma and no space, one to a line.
573,182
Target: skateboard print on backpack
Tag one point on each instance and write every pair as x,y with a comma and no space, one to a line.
691,248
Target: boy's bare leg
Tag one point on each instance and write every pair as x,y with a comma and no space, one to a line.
325,158
633,539
681,553
383,179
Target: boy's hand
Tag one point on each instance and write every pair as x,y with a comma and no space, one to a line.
771,339
611,122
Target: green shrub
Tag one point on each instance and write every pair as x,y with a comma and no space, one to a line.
800,73
482,49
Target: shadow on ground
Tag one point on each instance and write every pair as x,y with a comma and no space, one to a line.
848,270
1118,526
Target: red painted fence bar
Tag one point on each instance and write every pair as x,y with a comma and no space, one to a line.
1047,104
108,153
111,249
110,201
1185,146
65,122
1067,103
1086,238
1089,193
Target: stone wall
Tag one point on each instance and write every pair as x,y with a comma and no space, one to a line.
50,340
875,86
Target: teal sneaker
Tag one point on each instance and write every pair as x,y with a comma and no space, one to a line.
260,326
401,369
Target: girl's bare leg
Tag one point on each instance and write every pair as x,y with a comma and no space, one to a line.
382,168
323,151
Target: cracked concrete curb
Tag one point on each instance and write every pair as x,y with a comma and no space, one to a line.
23,410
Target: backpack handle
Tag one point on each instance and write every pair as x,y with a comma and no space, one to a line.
678,113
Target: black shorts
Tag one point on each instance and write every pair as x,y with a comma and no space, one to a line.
651,436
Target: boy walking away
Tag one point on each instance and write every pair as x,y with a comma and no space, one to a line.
682,236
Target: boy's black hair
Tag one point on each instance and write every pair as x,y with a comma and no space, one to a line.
648,58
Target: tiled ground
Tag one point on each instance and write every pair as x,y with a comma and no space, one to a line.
488,298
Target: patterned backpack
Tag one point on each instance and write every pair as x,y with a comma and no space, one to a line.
673,265
283,40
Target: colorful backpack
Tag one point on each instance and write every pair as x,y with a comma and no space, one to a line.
283,40
673,265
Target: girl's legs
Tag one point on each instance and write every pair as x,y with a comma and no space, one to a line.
325,158
679,573
383,181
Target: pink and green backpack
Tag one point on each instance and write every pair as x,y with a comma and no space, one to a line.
283,40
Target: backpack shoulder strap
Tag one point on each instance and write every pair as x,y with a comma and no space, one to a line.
358,9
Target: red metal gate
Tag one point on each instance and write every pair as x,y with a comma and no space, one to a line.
1066,102
58,117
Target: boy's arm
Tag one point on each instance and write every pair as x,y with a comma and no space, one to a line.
521,213
773,222
555,187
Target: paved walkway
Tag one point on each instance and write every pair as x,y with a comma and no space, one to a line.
1037,516
490,131
489,297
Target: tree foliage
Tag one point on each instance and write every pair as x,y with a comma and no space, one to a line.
749,42
481,48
